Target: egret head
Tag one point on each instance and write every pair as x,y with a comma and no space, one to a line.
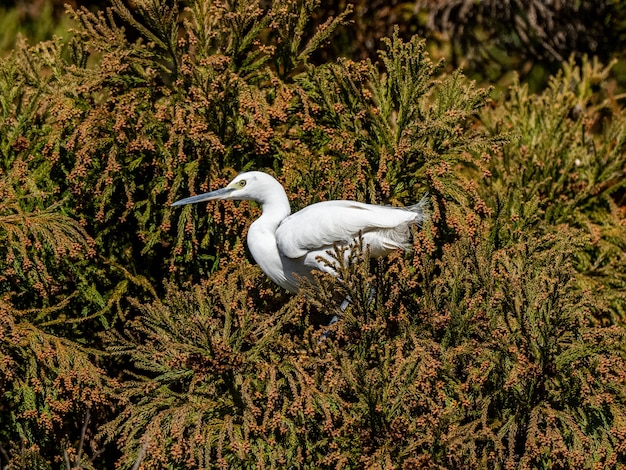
252,185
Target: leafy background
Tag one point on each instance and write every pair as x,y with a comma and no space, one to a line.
135,335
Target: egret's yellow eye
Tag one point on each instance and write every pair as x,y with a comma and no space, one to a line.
242,183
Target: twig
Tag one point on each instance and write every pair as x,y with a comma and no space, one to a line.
142,454
66,457
83,431
6,457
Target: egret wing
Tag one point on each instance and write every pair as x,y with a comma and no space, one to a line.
320,226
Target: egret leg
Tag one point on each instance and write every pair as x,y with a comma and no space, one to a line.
344,305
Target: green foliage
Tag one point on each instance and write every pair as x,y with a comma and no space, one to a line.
488,360
217,379
153,121
46,381
492,38
379,136
37,21
566,169
142,331
50,388
533,375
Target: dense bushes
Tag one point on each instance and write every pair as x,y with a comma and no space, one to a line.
132,333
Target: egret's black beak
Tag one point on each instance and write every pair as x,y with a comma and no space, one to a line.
217,194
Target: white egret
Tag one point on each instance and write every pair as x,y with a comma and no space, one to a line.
289,247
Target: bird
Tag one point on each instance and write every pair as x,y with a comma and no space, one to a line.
289,247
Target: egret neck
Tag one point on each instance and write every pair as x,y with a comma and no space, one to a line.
262,234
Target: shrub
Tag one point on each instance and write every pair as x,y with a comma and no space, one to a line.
131,327
49,383
565,170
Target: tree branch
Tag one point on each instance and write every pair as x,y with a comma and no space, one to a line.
5,455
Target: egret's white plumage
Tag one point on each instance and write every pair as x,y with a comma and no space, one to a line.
288,247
